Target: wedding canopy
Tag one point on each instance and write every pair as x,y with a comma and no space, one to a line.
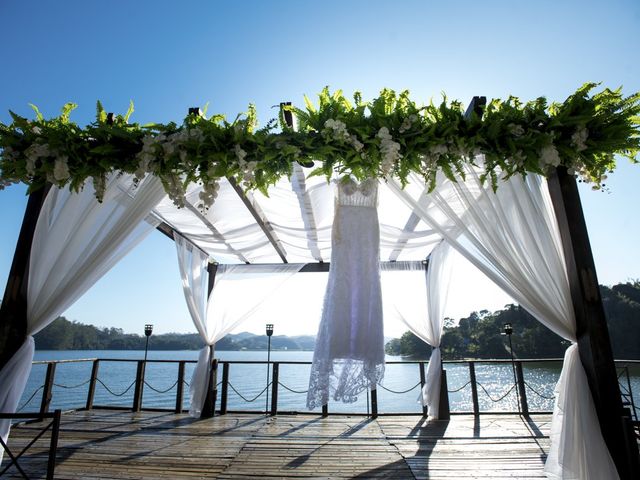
500,219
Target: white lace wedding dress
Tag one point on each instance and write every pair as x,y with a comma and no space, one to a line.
349,353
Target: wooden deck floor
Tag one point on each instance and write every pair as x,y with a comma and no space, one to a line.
151,445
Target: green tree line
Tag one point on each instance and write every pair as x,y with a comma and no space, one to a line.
63,334
479,334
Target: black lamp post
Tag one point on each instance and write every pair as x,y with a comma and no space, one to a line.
148,329
269,333
508,331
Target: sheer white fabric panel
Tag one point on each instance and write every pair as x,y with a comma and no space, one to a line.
512,237
577,450
419,301
240,290
238,293
13,379
192,263
438,281
299,212
76,241
193,271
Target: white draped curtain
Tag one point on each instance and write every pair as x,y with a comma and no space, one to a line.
238,292
512,236
418,299
76,241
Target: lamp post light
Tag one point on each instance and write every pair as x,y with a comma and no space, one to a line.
148,329
269,333
508,331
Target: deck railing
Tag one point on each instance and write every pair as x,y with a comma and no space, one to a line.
513,384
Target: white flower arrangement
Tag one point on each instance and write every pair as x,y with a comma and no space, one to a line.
389,150
389,135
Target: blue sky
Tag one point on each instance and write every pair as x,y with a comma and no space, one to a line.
168,56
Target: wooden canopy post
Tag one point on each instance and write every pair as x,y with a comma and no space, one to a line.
209,407
13,312
594,344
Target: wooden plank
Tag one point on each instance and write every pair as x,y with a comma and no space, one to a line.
146,445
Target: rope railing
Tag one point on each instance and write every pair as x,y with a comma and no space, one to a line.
30,398
456,390
244,398
538,393
498,399
72,386
160,391
291,389
112,392
541,390
398,392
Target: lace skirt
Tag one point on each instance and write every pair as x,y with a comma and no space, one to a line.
349,354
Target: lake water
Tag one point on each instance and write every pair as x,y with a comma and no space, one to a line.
249,380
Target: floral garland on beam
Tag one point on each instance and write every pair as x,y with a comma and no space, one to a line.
388,136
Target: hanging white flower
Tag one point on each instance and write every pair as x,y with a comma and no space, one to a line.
248,174
175,190
99,185
389,150
240,154
357,144
208,195
549,156
336,129
61,169
579,138
33,153
438,150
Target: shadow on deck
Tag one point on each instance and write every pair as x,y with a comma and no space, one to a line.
120,444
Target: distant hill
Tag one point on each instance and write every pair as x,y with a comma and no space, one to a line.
63,334
478,335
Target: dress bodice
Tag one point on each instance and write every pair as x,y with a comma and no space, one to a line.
364,194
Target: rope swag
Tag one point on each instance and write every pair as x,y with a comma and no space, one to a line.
388,136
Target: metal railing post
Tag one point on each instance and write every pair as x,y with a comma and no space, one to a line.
92,384
374,403
137,395
48,387
474,388
180,387
444,413
274,387
225,388
524,405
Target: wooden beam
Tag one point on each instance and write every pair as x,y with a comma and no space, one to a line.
170,232
216,233
13,311
591,327
476,106
260,219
